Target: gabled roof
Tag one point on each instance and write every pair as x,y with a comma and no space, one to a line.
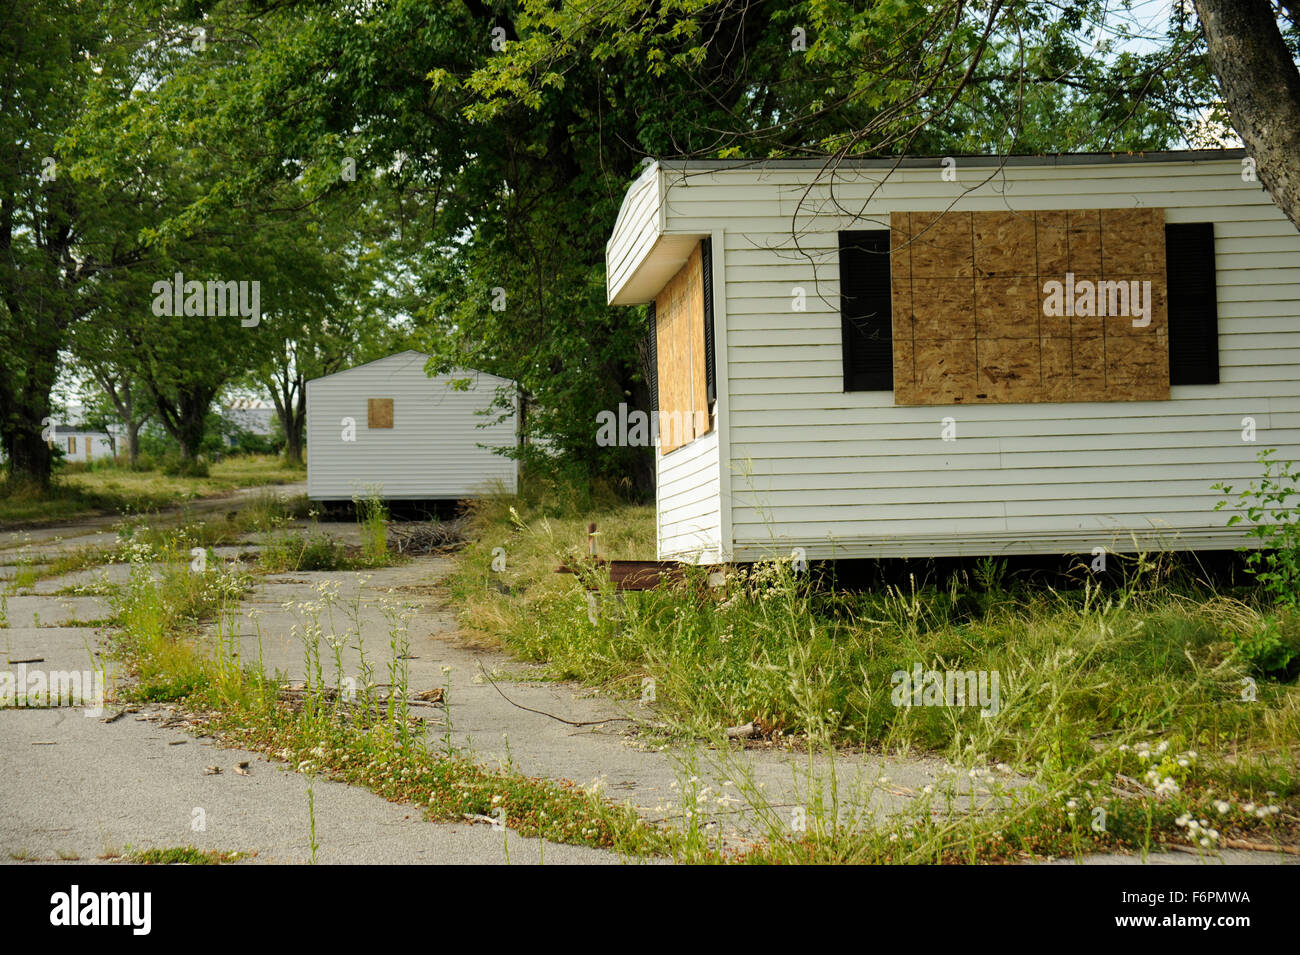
408,357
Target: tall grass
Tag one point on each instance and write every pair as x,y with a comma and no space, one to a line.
1153,656
108,487
1134,699
159,610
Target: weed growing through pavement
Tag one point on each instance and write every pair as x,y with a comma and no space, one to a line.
372,515
181,855
371,738
311,818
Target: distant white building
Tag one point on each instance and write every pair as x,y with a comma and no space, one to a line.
389,426
253,415
82,444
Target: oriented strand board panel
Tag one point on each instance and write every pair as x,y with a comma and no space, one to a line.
679,335
1018,307
379,412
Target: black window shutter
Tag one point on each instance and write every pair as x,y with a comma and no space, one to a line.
866,315
1193,305
652,354
706,261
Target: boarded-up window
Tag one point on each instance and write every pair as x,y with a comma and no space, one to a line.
1193,304
681,356
72,445
89,455
865,311
379,413
1029,306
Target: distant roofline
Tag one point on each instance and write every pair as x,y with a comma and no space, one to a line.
914,162
452,373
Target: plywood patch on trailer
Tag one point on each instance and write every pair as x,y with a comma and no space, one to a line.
379,412
974,322
679,335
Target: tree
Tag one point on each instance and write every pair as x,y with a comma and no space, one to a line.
1257,73
230,274
120,400
60,235
335,329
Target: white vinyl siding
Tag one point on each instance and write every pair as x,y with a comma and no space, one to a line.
74,445
688,509
849,474
436,449
640,220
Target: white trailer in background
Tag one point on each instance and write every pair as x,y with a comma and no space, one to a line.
388,428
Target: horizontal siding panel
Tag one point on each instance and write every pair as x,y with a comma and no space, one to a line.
848,522
686,212
1005,444
850,407
756,431
994,543
682,511
1107,491
1212,457
1087,480
688,510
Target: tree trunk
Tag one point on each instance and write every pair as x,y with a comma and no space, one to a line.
296,425
31,459
289,394
1261,85
193,418
133,442
292,428
185,418
26,409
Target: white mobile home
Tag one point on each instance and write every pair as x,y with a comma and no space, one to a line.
387,425
938,357
82,444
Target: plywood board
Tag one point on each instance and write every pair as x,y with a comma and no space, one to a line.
379,412
972,319
679,335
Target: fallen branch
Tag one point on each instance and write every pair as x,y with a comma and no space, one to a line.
1260,847
561,719
748,731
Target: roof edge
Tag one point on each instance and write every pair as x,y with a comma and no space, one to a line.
914,162
452,373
